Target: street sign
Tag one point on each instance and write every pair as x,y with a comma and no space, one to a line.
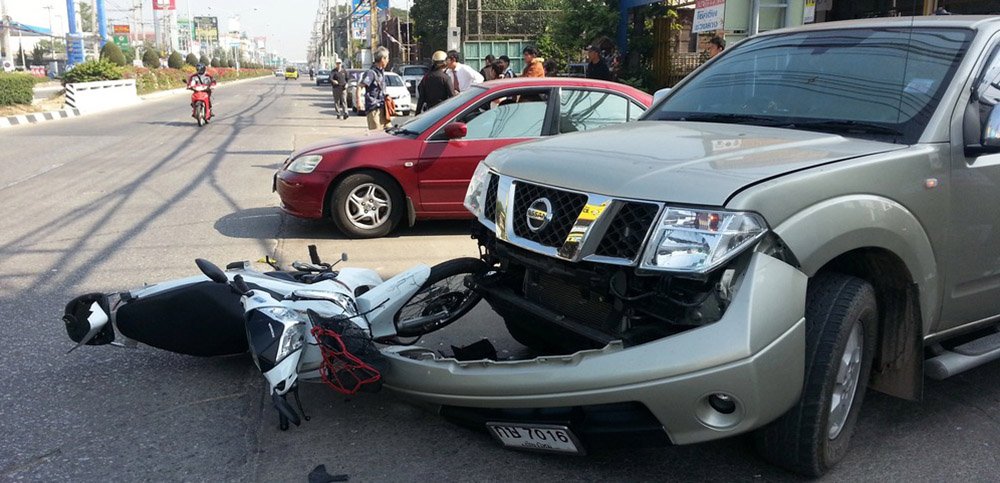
709,15
164,5
74,49
120,40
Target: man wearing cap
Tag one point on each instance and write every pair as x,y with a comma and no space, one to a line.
596,67
338,79
436,86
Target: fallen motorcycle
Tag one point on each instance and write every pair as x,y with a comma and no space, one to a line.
308,324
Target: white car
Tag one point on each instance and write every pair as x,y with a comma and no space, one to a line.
395,88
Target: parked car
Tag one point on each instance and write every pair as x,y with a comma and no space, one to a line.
323,77
412,75
279,73
394,88
576,70
809,215
370,184
291,73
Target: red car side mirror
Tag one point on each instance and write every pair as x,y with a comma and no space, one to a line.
455,130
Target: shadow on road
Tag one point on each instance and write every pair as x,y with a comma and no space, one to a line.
264,222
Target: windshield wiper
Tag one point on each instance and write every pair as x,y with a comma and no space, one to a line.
844,126
403,131
732,118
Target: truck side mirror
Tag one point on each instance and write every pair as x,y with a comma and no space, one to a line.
990,137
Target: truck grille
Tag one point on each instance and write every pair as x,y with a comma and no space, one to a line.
628,230
566,208
490,207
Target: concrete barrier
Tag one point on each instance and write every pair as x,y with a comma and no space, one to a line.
96,96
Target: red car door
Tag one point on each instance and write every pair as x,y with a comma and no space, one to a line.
446,166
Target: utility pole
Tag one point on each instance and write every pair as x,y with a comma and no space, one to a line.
754,23
479,19
5,35
52,38
453,40
373,21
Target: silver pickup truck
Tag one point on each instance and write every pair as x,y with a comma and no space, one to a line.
813,213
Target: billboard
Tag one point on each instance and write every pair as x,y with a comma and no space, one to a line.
206,29
164,4
120,29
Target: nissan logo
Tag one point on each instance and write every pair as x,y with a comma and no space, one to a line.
539,214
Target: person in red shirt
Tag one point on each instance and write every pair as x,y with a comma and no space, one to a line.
200,78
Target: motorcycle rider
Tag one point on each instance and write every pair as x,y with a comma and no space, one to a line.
200,78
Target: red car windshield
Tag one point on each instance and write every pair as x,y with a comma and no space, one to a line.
421,123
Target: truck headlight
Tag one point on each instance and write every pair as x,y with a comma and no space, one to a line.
697,241
305,164
476,193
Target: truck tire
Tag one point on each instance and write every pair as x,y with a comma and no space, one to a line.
841,328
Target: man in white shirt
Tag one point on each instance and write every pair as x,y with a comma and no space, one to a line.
462,76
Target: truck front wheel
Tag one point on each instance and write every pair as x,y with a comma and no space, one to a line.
841,327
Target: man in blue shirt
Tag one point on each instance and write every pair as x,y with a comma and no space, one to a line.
373,80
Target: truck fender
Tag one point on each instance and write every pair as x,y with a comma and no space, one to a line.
821,232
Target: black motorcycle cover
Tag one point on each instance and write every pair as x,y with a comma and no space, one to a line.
202,319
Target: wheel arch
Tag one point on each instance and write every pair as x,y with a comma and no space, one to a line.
877,240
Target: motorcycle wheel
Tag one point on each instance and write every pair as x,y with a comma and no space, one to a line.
199,113
443,293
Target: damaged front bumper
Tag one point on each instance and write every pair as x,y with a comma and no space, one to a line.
753,356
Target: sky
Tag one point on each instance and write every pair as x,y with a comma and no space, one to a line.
287,23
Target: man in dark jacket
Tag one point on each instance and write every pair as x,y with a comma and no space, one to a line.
436,86
338,79
596,67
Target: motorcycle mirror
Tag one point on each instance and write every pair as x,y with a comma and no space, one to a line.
211,271
343,257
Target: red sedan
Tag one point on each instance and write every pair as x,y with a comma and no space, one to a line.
421,169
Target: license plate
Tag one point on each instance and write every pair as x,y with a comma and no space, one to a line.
536,437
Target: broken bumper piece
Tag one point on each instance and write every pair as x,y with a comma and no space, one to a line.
706,383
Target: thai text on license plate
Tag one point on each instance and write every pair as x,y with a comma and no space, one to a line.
536,437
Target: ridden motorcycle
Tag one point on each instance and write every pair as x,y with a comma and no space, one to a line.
201,103
308,324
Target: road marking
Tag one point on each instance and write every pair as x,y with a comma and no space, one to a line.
50,168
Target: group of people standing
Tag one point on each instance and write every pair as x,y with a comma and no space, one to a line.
449,76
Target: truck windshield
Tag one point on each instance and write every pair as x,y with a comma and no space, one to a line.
880,82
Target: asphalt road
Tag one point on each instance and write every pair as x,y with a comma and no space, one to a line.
108,202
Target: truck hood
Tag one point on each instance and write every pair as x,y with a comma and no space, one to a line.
671,161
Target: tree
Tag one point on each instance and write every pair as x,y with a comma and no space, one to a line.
191,59
129,54
205,60
229,63
112,53
175,61
37,56
86,16
59,47
215,62
151,59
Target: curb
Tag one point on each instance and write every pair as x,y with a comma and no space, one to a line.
37,117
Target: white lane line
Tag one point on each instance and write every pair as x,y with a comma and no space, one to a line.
46,170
